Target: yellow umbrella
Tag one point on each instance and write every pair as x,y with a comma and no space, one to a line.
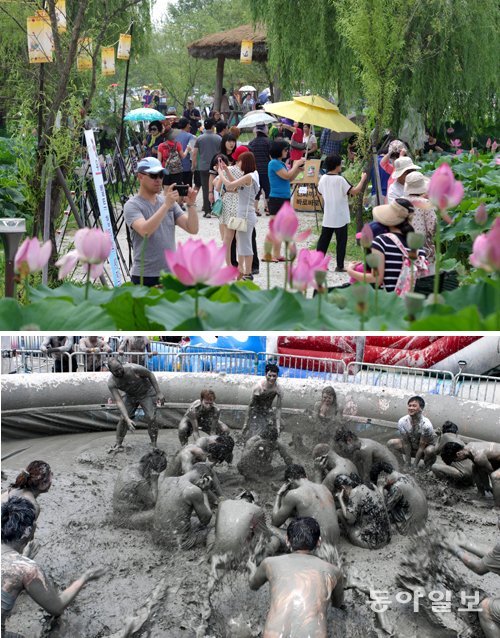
313,109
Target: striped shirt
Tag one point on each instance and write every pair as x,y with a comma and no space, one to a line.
393,259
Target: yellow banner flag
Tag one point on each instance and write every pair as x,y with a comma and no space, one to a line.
61,15
40,40
246,52
84,56
108,60
124,46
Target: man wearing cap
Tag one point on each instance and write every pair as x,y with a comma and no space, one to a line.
155,216
205,147
402,167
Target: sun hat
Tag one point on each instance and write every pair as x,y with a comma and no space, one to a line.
416,184
239,150
150,165
393,214
403,164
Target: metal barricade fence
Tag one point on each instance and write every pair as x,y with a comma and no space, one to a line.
401,378
304,367
477,387
32,361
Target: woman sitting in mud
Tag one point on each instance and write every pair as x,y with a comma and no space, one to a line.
323,421
22,573
136,489
362,512
404,499
36,479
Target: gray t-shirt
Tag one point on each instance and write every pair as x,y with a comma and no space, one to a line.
162,239
208,145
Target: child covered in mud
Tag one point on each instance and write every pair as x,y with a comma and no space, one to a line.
36,479
405,501
301,584
21,573
362,513
416,434
260,417
257,455
364,453
136,490
328,465
203,414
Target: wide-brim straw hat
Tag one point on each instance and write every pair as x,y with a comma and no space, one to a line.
416,184
403,164
391,214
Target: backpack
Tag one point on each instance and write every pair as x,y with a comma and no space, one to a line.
420,269
170,158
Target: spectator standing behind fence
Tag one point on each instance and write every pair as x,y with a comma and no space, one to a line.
95,350
60,349
152,219
138,349
205,147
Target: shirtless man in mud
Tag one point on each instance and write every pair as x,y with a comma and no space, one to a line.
141,389
301,585
363,452
362,512
257,455
481,560
405,501
203,414
260,417
179,497
328,465
416,433
485,457
459,472
20,573
139,346
136,489
300,497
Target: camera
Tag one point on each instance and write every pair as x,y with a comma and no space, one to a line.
182,189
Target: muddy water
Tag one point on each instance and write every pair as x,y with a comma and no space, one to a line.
75,531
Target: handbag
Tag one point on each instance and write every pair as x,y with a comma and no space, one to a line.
240,223
217,207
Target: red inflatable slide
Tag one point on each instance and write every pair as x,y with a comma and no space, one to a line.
415,352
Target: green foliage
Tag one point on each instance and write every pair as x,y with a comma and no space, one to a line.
13,196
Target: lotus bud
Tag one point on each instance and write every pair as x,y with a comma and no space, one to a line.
373,260
415,240
414,303
481,215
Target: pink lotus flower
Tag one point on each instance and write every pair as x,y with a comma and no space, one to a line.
366,236
195,262
450,130
303,272
481,214
455,143
497,160
444,191
488,143
93,245
486,249
459,151
285,224
67,263
494,146
31,256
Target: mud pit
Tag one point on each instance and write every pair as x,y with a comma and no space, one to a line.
75,531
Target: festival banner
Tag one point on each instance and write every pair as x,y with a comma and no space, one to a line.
61,15
84,56
102,202
40,41
246,52
108,60
124,46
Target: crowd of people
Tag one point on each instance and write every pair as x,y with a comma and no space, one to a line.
360,489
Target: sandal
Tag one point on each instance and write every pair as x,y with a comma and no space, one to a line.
207,215
271,261
281,258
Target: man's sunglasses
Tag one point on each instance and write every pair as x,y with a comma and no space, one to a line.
153,175
153,129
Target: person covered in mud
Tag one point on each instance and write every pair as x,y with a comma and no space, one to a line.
95,350
325,416
364,453
203,414
481,560
459,472
141,389
257,456
300,497
21,573
301,584
240,526
405,501
136,489
416,434
260,417
328,465
179,500
60,348
362,513
138,349
485,457
36,479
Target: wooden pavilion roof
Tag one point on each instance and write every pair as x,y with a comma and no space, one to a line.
228,43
